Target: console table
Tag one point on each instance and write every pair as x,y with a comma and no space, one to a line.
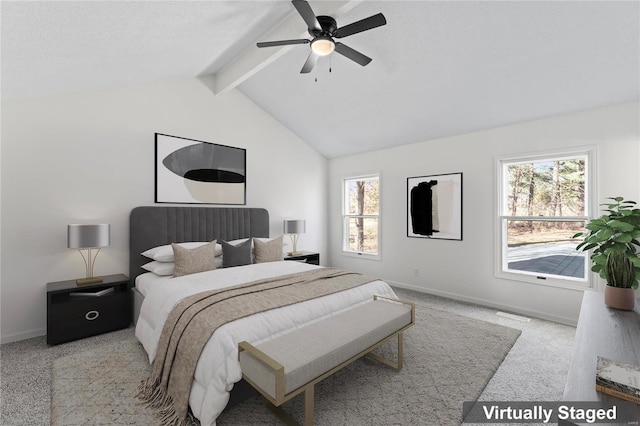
602,331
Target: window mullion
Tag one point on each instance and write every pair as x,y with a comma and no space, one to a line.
547,218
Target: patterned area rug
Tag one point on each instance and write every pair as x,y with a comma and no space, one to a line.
448,359
97,387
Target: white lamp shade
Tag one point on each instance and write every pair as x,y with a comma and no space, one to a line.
294,226
88,236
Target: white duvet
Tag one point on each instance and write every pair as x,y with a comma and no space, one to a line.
218,368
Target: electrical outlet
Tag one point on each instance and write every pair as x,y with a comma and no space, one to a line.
416,272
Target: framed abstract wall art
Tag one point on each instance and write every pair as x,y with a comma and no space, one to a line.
196,172
434,206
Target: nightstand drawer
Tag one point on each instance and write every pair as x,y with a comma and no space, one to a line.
75,311
87,316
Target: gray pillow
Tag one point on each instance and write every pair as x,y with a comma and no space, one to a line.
190,261
236,255
267,251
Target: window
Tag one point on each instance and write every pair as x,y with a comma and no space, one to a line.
361,215
543,201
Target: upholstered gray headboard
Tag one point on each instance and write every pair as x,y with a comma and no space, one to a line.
153,226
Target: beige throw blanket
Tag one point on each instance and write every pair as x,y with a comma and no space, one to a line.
195,318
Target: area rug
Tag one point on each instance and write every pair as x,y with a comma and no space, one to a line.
448,359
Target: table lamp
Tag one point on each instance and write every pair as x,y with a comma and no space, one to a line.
88,237
294,228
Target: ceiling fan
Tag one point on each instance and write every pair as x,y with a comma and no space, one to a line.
323,30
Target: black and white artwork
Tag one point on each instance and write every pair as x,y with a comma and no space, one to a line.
196,172
434,206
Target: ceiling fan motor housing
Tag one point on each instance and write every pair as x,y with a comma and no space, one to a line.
328,24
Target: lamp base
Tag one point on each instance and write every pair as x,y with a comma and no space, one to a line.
294,253
89,280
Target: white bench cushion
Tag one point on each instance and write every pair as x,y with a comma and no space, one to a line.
310,351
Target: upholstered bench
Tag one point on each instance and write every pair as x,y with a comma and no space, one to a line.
293,363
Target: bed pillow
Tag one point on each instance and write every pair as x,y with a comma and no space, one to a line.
159,268
191,261
237,254
165,253
166,268
267,251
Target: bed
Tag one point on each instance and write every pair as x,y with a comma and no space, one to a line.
218,369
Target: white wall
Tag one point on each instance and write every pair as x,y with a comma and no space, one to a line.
465,269
90,158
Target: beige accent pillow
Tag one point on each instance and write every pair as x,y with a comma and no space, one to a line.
267,251
190,261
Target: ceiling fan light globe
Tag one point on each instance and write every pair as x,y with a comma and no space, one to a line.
322,46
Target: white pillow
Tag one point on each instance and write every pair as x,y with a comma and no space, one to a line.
160,268
166,268
165,253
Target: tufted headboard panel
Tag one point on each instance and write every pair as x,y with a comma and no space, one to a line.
152,226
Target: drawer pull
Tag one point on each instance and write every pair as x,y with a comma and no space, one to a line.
91,315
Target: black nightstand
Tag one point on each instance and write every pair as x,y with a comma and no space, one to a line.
307,257
74,316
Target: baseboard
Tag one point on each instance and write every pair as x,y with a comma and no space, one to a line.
488,303
23,336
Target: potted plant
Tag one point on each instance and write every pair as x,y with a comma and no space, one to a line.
613,237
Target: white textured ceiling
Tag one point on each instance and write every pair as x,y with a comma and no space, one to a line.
439,68
53,47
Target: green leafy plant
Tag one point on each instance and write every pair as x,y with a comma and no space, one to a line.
613,237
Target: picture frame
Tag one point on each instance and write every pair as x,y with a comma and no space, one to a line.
190,171
434,206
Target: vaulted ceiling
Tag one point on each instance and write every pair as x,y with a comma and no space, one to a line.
440,68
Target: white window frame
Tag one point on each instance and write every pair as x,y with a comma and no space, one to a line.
500,254
346,216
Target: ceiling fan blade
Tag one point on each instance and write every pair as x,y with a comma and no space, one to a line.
354,55
362,25
282,42
304,9
311,62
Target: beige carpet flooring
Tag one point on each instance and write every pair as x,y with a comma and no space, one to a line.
534,369
448,359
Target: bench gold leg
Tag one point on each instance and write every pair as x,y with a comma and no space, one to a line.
400,354
399,363
308,406
308,410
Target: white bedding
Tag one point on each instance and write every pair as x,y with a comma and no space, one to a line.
148,280
218,368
